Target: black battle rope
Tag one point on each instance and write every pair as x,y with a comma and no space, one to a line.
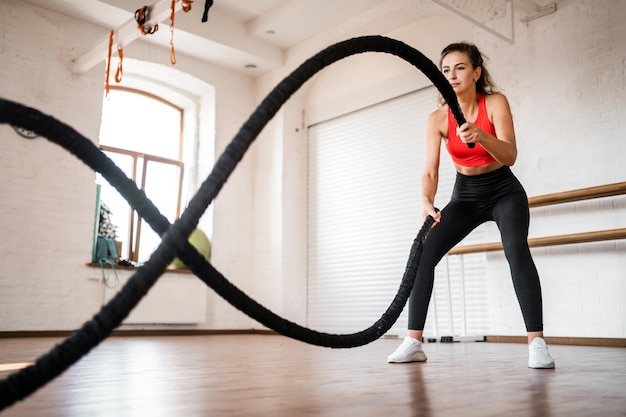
174,237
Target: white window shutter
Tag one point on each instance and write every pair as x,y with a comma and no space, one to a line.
364,210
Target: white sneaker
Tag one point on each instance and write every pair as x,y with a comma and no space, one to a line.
409,351
538,355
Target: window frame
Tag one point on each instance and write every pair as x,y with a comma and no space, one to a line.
134,233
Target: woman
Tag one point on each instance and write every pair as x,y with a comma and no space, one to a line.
485,189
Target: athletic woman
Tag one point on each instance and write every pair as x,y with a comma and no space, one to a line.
485,189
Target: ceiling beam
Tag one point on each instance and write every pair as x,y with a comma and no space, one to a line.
222,39
124,35
227,35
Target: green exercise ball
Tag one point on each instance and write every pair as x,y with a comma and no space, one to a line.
200,241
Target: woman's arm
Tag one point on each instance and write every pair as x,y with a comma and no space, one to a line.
503,148
430,177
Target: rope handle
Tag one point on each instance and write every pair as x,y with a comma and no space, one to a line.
428,224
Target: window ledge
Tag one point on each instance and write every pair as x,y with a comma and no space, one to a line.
132,268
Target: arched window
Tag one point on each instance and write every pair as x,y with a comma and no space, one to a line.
158,125
143,135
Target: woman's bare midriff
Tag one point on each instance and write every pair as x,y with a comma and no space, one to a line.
483,169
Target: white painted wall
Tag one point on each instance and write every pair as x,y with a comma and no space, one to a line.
564,76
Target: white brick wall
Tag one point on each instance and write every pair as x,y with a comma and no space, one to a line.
48,196
565,79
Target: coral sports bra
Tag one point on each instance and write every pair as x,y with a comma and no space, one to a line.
459,151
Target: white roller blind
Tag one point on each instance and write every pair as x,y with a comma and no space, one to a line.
364,210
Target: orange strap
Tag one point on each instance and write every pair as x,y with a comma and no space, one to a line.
108,70
172,14
186,7
120,71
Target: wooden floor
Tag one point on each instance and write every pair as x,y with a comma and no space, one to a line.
265,375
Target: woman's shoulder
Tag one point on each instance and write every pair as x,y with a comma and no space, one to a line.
438,121
439,112
497,102
438,115
496,99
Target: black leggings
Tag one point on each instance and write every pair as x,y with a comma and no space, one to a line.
496,196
